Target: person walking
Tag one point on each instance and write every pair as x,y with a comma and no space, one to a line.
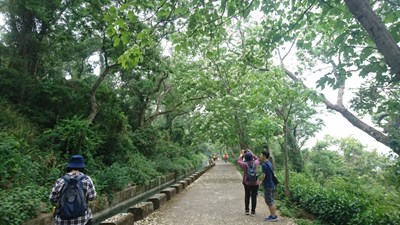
226,157
71,194
249,163
268,185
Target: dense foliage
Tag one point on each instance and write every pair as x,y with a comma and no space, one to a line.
349,185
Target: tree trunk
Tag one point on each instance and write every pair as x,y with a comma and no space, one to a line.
378,32
241,133
93,102
285,134
142,117
295,155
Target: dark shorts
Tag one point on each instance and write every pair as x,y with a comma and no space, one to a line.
269,196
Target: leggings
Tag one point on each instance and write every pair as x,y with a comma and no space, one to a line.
250,191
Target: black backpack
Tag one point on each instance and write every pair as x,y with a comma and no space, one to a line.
72,202
251,174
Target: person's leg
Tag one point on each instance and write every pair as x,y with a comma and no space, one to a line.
253,193
269,200
246,198
89,222
272,209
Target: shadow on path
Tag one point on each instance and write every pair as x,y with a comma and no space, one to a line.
217,198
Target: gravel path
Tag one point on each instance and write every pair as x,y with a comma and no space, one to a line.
217,197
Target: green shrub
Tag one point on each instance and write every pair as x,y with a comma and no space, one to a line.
146,140
378,214
307,222
144,169
16,165
72,136
338,203
113,178
14,122
22,203
165,165
168,150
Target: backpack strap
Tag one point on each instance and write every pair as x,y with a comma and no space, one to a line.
80,178
252,164
270,169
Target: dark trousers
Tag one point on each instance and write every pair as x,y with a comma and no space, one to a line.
250,191
89,222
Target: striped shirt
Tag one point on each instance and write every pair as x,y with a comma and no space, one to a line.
90,191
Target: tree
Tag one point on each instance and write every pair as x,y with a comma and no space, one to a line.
327,33
380,35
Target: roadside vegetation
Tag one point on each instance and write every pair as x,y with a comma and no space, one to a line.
343,183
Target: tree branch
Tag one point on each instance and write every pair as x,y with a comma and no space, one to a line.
377,135
93,100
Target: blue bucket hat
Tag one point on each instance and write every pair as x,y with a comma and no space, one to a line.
76,161
248,156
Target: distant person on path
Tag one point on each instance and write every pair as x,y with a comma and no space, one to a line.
210,160
71,186
268,185
249,163
226,157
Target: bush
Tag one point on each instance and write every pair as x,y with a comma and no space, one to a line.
307,222
170,157
378,214
340,202
113,178
22,203
143,169
72,136
17,167
145,140
118,176
14,122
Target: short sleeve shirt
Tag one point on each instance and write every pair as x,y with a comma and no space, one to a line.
268,183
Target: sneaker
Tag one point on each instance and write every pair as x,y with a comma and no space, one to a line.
253,213
247,212
271,218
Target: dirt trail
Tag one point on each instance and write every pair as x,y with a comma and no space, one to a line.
217,198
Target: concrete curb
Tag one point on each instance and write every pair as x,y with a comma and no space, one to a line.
157,201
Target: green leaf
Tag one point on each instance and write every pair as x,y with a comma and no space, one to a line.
125,38
132,17
110,31
116,41
231,9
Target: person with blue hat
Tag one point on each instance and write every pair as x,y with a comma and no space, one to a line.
75,181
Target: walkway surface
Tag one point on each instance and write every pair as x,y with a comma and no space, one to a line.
217,197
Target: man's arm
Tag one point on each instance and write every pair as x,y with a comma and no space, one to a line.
91,192
262,180
55,192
